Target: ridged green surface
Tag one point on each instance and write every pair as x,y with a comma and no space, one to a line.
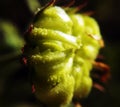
60,50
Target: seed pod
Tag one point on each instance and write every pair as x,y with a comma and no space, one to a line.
60,48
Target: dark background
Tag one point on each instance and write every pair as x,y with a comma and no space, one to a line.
15,88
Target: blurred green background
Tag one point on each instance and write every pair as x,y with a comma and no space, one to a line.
15,17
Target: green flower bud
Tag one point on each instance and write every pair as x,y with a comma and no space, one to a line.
60,49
